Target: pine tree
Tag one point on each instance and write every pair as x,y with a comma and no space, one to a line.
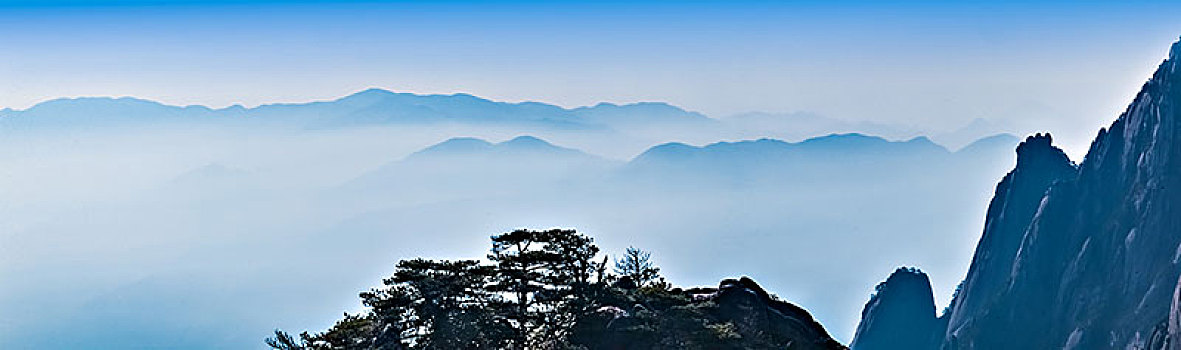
637,265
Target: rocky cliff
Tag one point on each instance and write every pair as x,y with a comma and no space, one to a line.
1081,257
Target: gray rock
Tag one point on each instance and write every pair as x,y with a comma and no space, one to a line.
900,315
1083,257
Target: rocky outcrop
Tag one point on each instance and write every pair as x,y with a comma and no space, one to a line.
755,312
900,315
738,314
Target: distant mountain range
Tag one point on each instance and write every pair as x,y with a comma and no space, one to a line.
819,159
528,169
854,145
822,147
377,107
832,156
369,107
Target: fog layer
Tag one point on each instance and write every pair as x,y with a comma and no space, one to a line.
129,224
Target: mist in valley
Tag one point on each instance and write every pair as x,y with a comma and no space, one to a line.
202,228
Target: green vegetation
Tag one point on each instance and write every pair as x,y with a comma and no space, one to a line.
539,290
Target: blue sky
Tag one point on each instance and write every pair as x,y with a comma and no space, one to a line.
1065,67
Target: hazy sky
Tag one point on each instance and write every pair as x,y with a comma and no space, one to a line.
1066,67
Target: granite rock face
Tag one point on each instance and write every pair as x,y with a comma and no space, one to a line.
900,315
1086,256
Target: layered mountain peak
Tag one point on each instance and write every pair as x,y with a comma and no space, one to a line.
371,92
641,112
366,97
900,315
532,145
526,141
460,145
97,105
1006,141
